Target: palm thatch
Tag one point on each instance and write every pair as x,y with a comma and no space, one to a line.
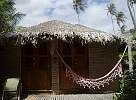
64,31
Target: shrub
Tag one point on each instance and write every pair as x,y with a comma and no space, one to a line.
127,89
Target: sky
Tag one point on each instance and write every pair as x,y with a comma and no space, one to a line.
95,15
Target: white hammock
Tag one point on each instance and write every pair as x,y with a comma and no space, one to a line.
94,83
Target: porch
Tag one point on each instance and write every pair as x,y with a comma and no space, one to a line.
70,97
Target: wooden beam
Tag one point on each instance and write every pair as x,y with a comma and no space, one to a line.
54,66
130,56
90,60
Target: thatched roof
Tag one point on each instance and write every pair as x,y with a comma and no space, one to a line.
65,31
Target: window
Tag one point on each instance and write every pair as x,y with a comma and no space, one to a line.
43,63
36,57
28,58
43,55
67,48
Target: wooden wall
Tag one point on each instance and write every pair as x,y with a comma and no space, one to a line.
10,60
90,61
93,60
101,60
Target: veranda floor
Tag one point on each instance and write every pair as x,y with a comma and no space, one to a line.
71,97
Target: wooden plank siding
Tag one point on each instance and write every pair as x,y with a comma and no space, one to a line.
40,70
10,61
102,58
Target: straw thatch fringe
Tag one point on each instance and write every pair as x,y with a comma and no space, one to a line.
64,31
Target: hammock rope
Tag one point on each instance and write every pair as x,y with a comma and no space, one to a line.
94,83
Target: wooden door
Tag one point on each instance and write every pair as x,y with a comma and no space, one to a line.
76,56
36,69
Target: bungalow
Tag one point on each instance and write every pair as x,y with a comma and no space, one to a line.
60,57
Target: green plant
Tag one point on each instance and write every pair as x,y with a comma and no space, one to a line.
9,17
127,87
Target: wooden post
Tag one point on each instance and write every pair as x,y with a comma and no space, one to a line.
130,54
90,60
130,38
54,67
